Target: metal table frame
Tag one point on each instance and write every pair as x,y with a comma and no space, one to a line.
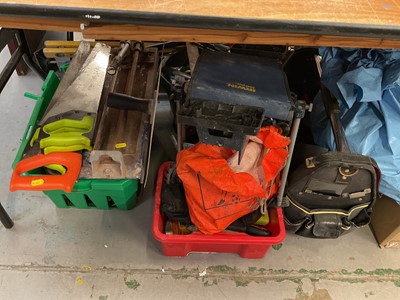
22,52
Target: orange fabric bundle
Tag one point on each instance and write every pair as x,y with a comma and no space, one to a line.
215,194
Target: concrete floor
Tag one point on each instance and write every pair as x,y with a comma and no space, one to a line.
56,253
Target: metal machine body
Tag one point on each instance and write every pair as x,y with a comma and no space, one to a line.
230,96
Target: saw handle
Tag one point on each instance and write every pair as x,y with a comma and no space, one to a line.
70,125
72,162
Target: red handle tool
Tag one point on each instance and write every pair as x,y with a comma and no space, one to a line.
71,160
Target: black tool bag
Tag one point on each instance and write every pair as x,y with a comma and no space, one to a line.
173,201
333,192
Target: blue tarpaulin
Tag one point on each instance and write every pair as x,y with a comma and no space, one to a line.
366,83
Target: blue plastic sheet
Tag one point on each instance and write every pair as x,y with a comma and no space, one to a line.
366,83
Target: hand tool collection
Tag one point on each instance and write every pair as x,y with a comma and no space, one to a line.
67,125
97,123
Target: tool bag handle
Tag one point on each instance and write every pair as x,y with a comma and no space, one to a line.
333,113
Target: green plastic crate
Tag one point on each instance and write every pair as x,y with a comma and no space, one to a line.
98,193
87,193
49,87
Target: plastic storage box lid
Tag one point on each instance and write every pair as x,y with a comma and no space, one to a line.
242,79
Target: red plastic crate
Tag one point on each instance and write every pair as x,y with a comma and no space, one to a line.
227,242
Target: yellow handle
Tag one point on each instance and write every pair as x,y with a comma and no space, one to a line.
64,140
34,137
65,125
71,148
56,167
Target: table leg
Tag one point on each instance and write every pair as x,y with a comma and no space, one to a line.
27,55
22,51
5,218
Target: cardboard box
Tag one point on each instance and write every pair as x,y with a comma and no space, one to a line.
385,223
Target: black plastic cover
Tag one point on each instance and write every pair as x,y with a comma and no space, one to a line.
242,79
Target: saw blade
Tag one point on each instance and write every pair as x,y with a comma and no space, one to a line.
83,86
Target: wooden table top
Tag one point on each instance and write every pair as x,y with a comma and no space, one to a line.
311,22
352,12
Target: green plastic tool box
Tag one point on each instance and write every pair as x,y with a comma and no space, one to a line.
98,193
